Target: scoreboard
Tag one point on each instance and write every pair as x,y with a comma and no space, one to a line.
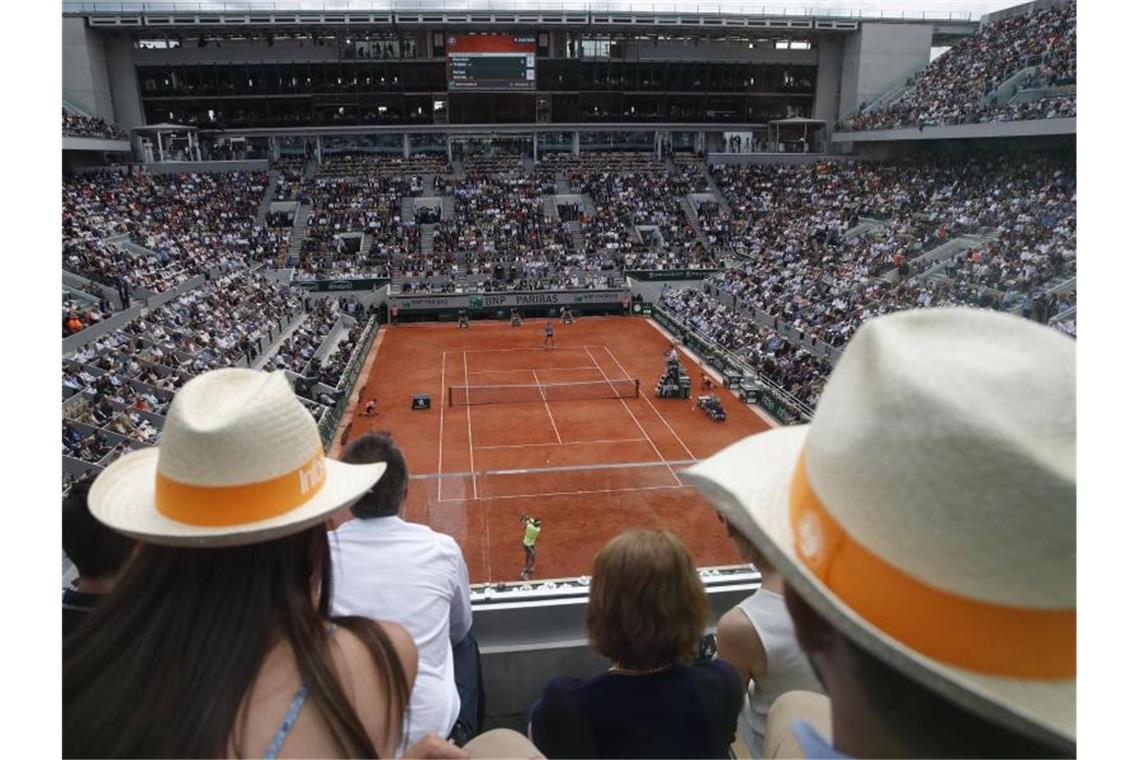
490,62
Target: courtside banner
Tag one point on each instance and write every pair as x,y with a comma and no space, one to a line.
326,286
486,301
670,275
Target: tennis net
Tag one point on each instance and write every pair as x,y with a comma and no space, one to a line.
471,395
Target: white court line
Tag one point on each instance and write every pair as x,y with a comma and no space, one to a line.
653,407
442,390
577,493
544,403
635,420
470,440
517,349
525,369
562,443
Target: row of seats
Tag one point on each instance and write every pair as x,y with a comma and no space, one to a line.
957,87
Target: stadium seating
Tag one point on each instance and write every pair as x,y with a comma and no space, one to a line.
155,231
801,255
80,125
960,86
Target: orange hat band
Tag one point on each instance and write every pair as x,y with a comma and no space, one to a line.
1011,642
219,506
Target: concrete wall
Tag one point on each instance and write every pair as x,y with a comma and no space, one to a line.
206,167
829,75
743,159
1037,127
124,81
888,54
849,73
651,291
85,81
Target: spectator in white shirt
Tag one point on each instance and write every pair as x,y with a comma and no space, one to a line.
406,572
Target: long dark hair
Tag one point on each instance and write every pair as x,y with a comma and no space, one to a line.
163,667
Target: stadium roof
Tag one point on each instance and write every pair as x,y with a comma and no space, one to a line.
914,10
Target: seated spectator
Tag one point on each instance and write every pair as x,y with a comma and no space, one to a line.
98,552
384,567
933,593
646,613
218,639
758,639
78,125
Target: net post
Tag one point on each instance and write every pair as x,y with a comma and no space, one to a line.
450,388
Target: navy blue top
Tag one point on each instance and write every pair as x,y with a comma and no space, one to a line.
686,711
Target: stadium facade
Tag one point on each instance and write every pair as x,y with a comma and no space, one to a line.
248,74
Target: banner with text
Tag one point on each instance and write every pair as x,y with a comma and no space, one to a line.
669,275
487,301
324,286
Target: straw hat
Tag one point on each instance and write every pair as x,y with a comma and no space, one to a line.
929,510
240,462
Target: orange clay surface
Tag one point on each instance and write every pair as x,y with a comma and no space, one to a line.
477,469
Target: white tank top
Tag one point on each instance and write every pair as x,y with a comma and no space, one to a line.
788,667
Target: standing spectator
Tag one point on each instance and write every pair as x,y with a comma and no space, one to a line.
925,524
758,639
98,552
646,613
218,641
384,567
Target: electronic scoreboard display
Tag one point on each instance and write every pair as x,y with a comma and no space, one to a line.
490,62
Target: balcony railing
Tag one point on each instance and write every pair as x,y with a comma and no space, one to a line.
809,10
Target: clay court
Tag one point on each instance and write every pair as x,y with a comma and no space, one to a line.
563,434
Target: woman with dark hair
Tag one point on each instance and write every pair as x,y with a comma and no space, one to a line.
646,613
217,640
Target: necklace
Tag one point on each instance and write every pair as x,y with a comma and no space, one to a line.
615,668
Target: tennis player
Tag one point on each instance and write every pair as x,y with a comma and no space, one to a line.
532,526
548,332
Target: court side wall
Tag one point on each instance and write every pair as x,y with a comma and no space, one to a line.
651,291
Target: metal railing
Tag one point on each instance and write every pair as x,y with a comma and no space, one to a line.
743,8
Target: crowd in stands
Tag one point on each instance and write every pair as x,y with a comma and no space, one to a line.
191,223
81,310
113,382
78,125
789,226
791,368
291,175
956,88
631,194
353,196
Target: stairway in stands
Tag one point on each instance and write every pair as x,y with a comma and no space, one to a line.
427,239
300,226
577,236
690,212
267,197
